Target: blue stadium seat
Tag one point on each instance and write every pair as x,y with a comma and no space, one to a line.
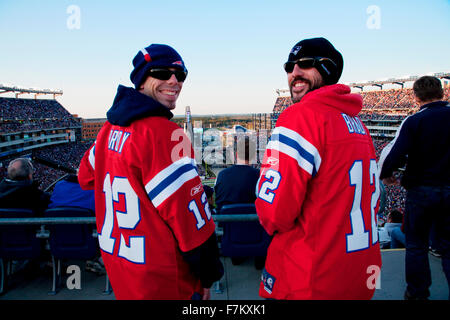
17,242
70,241
243,238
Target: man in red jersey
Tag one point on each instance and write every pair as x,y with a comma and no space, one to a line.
155,228
318,189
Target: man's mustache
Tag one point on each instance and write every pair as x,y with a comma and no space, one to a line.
300,79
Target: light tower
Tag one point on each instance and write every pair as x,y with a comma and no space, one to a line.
188,129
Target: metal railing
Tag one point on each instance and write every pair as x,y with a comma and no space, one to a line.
91,220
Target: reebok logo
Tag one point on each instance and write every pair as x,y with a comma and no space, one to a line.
196,189
272,161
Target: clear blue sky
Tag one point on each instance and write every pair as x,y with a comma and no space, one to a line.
234,50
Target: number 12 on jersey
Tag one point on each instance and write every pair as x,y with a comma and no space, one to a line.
125,220
358,239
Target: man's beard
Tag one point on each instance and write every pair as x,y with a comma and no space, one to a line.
310,86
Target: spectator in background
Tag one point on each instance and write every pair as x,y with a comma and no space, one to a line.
394,221
423,144
210,196
398,238
19,190
237,184
68,193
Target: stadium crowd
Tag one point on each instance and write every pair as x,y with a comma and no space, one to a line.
28,114
66,156
392,104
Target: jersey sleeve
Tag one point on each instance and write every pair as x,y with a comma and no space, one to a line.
291,159
174,188
86,170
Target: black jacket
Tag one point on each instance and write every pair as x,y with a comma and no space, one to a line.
23,194
236,184
423,144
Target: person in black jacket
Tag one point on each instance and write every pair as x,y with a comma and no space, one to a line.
19,190
422,143
237,184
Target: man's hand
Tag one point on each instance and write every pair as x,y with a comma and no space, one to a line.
206,294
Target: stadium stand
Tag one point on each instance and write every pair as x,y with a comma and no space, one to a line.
18,115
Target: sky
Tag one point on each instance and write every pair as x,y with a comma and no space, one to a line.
234,50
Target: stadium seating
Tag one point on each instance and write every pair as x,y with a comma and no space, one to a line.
69,241
17,242
18,115
243,238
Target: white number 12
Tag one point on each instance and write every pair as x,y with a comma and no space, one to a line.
358,239
125,220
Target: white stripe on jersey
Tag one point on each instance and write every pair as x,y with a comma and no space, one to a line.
169,180
300,149
92,157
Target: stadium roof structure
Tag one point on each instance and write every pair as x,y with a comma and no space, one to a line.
379,83
281,91
399,81
20,90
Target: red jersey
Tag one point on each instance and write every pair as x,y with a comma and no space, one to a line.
150,204
318,195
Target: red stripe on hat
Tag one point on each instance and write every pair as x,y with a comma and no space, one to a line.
146,55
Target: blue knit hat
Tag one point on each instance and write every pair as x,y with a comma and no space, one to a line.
154,56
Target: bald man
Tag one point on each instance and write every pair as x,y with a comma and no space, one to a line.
17,190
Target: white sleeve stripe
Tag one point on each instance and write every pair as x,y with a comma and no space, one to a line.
92,157
172,187
163,174
169,180
298,138
284,148
293,144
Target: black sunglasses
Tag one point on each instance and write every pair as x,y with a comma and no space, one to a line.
165,74
305,63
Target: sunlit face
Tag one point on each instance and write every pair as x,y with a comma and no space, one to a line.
302,81
164,91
